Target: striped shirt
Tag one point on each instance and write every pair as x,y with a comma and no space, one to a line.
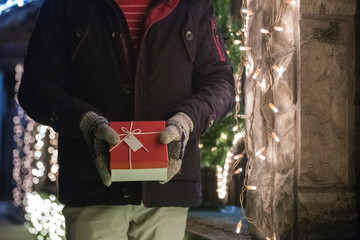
135,13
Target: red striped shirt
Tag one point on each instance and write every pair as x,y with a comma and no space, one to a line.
135,13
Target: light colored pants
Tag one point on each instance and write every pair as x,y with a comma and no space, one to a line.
128,222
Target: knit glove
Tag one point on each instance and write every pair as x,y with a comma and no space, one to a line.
176,135
98,135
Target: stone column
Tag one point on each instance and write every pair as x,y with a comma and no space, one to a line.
305,186
326,200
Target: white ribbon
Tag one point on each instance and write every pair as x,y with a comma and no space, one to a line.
127,133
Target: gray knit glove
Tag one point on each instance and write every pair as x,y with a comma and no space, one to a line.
98,135
176,135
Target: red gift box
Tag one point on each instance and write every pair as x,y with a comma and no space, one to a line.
139,156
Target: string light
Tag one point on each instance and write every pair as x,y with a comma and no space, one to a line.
5,7
270,74
273,107
280,69
256,73
274,136
245,48
248,12
290,2
264,31
238,227
44,216
236,42
239,156
238,171
223,136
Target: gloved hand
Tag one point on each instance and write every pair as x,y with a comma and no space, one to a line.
98,135
176,135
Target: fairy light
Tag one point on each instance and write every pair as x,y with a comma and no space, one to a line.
239,156
238,227
280,69
248,12
251,187
238,136
270,73
238,171
242,48
279,29
223,176
22,154
44,217
237,98
256,73
213,149
273,107
5,7
236,42
223,136
290,2
274,136
264,31
200,145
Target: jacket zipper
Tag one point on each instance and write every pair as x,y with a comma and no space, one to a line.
216,40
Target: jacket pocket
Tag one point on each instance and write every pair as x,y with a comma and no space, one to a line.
189,37
216,39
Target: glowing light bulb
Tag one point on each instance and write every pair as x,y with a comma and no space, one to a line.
223,136
262,157
274,136
279,29
264,31
201,145
273,107
290,2
20,3
238,171
237,157
251,187
260,151
245,48
235,128
267,238
213,149
247,11
236,42
238,33
256,73
238,227
280,69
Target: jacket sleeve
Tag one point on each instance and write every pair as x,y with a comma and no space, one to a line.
43,91
213,81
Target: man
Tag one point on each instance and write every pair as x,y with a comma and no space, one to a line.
87,65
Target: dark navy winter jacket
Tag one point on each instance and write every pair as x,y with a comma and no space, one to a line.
80,59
